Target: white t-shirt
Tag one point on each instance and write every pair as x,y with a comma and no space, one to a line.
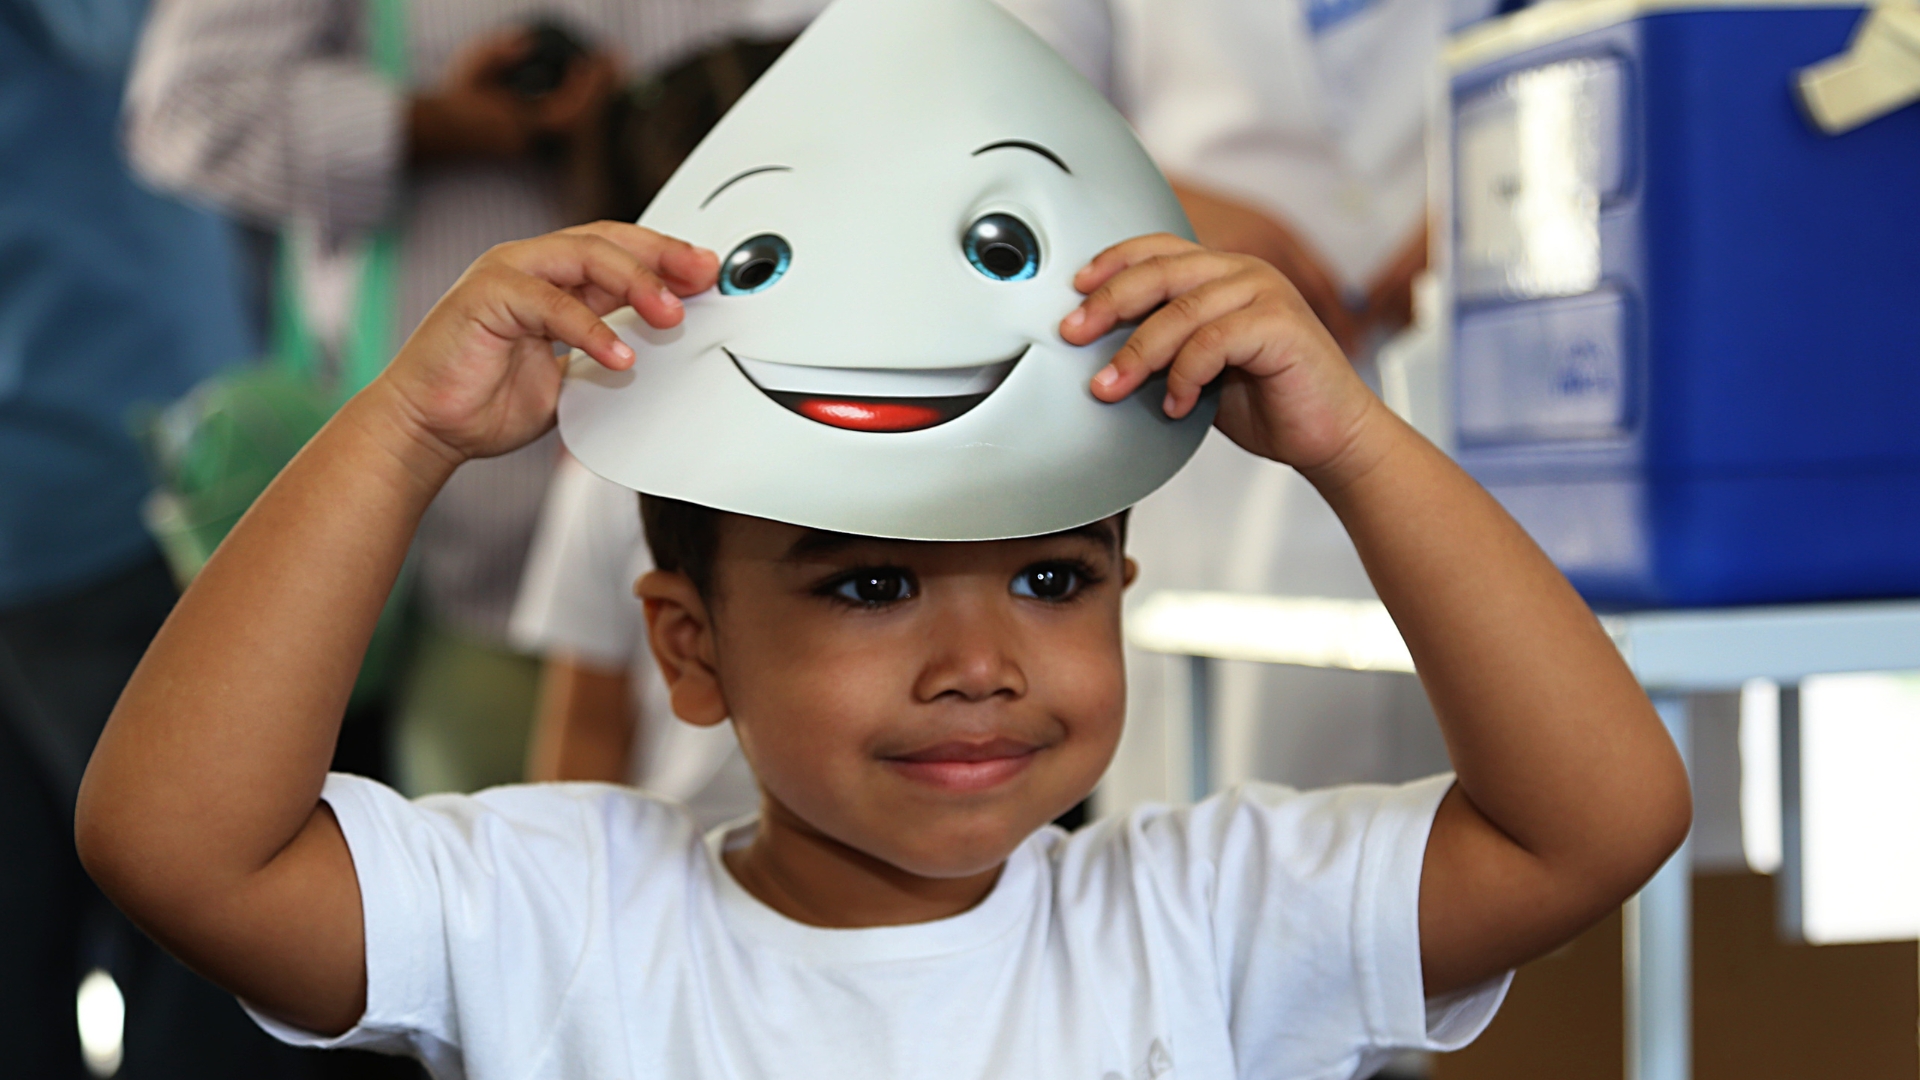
588,932
576,599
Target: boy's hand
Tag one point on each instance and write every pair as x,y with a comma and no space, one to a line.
479,377
1290,393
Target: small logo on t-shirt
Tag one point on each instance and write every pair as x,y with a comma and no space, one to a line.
1158,1064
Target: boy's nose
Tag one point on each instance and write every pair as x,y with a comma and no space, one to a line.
973,656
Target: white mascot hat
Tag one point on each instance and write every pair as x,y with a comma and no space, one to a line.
900,204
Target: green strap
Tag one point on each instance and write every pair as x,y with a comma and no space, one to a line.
368,343
294,346
387,39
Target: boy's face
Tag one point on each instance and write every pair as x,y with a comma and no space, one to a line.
927,704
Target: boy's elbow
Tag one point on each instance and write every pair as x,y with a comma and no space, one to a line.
1677,819
1664,819
98,842
115,841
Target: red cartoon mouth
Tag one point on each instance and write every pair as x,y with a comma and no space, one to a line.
876,399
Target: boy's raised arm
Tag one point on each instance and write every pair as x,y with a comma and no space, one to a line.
200,813
1570,792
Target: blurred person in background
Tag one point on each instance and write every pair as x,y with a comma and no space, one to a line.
278,111
1293,131
111,298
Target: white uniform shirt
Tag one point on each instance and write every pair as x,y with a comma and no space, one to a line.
576,600
1314,111
585,931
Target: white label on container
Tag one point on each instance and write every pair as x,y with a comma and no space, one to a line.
1536,153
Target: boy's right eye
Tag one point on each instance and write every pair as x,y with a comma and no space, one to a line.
873,587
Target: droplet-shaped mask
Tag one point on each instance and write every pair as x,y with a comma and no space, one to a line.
898,239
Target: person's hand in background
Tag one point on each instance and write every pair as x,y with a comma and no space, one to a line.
1226,224
474,114
573,131
1390,297
471,113
576,109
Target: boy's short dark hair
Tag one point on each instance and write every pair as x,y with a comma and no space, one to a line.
685,537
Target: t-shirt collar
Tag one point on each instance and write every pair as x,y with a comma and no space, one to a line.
1012,896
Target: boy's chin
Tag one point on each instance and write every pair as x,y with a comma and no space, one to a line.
954,849
950,864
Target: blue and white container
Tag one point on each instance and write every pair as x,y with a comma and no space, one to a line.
1687,324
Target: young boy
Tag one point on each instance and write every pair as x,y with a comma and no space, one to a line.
915,713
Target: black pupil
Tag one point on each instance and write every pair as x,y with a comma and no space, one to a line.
753,273
1049,583
1003,258
877,588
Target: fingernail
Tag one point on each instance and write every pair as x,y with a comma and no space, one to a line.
667,298
1075,317
623,351
1168,405
1107,377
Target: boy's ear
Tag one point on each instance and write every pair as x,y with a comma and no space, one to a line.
1129,571
680,633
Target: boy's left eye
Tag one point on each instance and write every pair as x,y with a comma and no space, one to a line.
1048,581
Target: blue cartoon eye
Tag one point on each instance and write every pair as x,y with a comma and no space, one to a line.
754,265
1002,247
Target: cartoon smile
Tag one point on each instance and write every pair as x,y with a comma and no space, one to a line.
876,399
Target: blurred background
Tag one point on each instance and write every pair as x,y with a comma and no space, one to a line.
1647,268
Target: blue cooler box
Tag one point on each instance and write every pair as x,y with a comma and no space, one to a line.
1687,325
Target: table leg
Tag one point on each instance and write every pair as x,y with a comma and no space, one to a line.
1788,883
1199,728
1659,949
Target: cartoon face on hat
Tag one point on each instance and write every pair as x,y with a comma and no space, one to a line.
900,205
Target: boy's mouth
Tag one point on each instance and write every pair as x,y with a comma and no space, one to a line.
960,766
876,399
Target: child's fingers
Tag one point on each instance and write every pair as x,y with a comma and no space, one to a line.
600,300
580,259
1138,289
1247,338
542,309
1157,341
685,268
1127,253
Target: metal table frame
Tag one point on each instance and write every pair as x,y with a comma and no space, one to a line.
1672,653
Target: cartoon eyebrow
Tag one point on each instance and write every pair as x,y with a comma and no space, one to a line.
737,177
1022,144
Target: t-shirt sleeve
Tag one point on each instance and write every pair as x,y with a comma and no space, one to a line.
576,595
484,915
1314,913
